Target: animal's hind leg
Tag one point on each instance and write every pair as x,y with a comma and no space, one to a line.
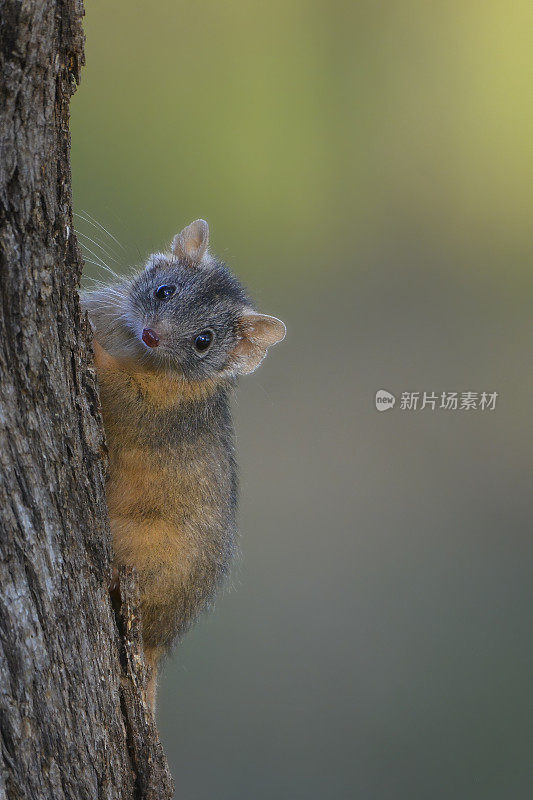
152,656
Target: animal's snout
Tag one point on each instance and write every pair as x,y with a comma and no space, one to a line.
150,337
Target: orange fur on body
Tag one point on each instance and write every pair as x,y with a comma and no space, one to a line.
168,505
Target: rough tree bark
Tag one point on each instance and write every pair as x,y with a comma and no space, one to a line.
73,718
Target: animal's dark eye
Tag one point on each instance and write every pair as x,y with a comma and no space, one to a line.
203,341
165,291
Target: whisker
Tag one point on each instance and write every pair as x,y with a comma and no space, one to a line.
98,244
93,221
101,263
90,261
96,283
86,247
100,241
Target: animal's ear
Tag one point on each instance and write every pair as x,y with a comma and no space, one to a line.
191,244
257,332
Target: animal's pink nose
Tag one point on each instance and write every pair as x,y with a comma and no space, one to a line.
150,337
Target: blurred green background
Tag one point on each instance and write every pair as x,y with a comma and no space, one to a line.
366,169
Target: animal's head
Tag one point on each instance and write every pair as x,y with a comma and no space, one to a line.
185,312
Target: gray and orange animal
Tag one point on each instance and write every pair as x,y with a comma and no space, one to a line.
169,345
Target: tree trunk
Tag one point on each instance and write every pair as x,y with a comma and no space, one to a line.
73,718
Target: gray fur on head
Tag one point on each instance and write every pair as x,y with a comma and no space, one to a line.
181,296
